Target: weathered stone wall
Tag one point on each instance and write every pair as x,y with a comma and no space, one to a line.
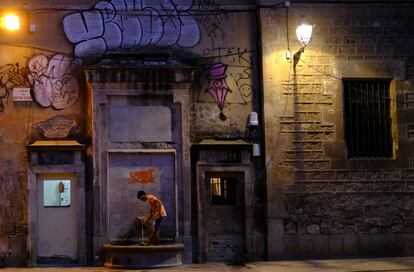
237,53
29,60
350,201
320,203
21,123
51,60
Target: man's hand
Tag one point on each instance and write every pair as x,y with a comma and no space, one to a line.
145,223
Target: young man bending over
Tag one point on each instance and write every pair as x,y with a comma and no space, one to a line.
157,213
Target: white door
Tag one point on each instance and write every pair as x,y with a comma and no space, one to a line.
57,237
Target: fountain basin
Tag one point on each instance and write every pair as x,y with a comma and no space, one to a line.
138,256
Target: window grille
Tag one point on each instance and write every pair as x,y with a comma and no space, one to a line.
367,113
223,191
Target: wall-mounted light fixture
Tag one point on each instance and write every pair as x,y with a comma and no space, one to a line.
253,132
14,20
10,22
304,34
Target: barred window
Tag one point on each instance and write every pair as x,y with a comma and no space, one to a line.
367,110
223,191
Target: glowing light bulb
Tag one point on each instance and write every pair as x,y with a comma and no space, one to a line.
304,33
11,22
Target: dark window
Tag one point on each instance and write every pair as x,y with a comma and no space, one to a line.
368,118
223,190
56,157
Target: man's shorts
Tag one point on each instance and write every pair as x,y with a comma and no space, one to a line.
157,224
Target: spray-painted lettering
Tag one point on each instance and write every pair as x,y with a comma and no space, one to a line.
126,24
52,82
142,176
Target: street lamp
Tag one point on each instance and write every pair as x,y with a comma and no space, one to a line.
304,35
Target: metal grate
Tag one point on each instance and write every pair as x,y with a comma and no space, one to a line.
223,191
367,118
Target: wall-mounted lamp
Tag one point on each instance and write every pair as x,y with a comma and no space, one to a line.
253,132
15,21
253,128
10,22
253,119
304,34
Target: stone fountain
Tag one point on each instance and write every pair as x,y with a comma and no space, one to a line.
130,251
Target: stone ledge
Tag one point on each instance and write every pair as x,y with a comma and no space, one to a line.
137,256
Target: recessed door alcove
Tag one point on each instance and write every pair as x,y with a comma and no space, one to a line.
140,130
56,204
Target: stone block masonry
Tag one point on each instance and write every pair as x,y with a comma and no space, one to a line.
332,205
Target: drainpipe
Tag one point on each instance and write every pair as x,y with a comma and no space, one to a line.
259,69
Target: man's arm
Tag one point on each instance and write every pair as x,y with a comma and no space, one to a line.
155,208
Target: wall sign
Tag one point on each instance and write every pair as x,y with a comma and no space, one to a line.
22,94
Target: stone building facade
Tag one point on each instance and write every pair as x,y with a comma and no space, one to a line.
321,202
196,102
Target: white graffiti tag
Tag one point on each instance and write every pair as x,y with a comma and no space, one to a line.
53,86
125,24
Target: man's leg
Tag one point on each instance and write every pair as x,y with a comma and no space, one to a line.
155,233
157,227
150,236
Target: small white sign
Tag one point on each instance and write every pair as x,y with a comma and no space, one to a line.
22,94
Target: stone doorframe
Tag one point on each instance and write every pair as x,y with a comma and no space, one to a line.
35,168
245,169
133,77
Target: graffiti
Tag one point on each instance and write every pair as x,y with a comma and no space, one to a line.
52,82
125,24
11,75
232,55
204,123
212,19
217,85
142,176
239,63
57,127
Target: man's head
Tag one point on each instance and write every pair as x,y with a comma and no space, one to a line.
141,195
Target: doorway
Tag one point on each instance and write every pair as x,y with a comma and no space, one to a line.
57,231
224,216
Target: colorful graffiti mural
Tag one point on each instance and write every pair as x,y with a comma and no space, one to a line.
125,24
52,82
239,71
217,85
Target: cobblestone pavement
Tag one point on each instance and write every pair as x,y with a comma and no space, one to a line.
337,265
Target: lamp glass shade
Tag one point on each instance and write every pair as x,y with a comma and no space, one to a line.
11,22
304,33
